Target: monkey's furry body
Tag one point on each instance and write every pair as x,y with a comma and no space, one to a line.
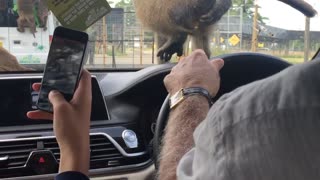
174,20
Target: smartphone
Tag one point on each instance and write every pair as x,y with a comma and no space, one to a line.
64,65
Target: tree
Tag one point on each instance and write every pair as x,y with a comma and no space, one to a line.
248,10
128,6
124,3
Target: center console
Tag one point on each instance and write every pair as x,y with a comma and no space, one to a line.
28,148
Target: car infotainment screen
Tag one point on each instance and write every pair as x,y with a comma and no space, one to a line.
17,98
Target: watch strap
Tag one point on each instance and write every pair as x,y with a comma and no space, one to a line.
183,93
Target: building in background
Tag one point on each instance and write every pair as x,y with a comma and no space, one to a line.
233,33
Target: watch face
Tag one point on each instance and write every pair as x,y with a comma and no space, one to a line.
183,93
176,98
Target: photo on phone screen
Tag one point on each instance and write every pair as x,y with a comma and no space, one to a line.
64,65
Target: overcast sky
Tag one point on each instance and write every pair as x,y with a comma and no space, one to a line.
283,16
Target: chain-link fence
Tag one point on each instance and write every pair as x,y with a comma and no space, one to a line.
119,40
234,33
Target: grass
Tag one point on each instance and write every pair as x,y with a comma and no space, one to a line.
116,53
293,57
293,60
290,59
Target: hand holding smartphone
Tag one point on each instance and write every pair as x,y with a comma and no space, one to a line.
64,65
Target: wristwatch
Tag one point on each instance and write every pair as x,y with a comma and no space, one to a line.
181,95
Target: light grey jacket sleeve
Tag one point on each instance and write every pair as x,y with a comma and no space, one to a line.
267,130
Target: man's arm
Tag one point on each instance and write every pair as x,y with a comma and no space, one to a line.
178,135
193,71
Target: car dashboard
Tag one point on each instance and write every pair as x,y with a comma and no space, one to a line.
125,106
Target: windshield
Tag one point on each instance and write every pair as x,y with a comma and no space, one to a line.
119,41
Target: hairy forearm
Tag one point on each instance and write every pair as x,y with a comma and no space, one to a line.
178,138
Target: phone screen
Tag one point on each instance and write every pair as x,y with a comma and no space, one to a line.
62,70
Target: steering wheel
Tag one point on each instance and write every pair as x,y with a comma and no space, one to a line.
239,69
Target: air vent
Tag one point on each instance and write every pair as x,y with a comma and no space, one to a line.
103,152
17,153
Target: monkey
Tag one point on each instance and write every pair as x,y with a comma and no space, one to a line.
175,20
3,11
42,14
26,16
301,6
8,62
173,23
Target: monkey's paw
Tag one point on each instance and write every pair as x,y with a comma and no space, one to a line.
165,53
208,18
21,30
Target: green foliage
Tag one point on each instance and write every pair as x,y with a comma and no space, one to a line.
123,3
293,60
219,51
116,53
298,45
128,6
248,10
148,36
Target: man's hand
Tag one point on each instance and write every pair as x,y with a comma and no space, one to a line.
195,71
71,123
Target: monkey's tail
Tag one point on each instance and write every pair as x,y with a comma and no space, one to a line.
301,6
200,40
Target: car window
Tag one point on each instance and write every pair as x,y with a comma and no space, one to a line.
119,41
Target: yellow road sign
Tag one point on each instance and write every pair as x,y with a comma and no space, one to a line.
221,40
1,44
234,40
260,45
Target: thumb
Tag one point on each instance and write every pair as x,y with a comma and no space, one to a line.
218,63
56,98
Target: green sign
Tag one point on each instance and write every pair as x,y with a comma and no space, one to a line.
29,59
78,14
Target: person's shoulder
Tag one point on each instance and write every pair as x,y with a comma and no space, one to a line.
268,125
295,88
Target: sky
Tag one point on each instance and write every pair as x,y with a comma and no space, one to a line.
283,16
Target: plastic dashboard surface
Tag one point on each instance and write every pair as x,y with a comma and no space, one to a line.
17,98
133,101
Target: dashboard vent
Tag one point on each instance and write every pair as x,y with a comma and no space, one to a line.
17,153
103,152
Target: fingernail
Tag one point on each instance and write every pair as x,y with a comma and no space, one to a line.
219,59
53,92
